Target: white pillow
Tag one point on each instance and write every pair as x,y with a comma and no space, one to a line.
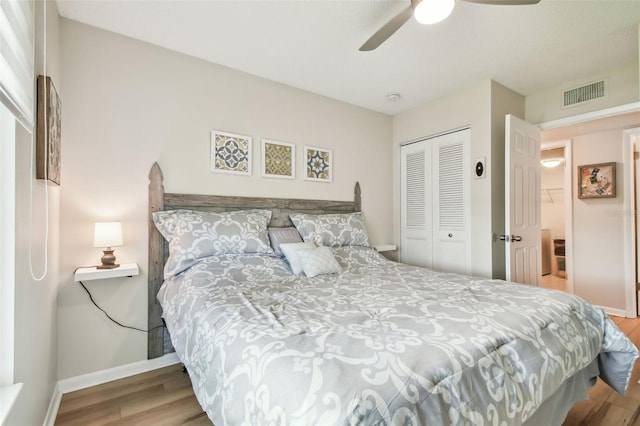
291,251
318,261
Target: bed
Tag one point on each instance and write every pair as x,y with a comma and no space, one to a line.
354,338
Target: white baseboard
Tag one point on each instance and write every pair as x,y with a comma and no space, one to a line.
54,404
98,377
613,311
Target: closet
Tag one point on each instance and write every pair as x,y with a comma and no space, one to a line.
435,203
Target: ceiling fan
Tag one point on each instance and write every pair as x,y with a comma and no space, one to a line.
427,12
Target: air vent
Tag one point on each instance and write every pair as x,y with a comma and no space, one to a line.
583,94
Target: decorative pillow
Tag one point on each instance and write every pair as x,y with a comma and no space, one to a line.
282,236
318,261
333,230
193,235
291,251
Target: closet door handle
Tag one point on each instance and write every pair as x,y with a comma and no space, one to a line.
509,238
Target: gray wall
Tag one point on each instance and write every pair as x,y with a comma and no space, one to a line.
128,104
36,313
482,108
622,88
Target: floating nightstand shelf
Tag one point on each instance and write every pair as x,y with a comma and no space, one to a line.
387,250
93,273
385,247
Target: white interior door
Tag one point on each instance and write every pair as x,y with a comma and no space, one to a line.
522,204
416,240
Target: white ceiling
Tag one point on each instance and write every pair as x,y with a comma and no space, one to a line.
313,44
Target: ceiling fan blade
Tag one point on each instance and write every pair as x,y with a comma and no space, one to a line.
387,30
505,2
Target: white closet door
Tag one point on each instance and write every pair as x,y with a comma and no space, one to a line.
416,240
451,251
435,203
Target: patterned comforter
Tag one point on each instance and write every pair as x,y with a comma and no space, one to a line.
380,343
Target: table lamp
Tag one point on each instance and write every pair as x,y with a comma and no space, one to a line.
107,235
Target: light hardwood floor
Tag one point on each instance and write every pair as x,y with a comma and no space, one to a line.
606,407
553,282
159,397
165,397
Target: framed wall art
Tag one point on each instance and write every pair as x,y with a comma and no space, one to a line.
318,164
48,131
597,180
230,153
278,159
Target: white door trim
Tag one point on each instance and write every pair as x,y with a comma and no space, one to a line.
630,137
589,116
568,205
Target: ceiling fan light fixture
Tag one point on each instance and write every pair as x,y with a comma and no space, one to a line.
432,11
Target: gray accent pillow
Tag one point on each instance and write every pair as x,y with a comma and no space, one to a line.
333,230
193,235
281,236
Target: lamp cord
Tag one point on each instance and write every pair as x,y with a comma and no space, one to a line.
109,316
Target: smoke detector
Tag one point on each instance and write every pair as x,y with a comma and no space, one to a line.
393,97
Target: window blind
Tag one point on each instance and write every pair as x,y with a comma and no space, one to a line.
17,59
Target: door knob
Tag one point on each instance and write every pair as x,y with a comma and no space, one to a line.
509,238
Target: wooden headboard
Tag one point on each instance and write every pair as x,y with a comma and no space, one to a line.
158,337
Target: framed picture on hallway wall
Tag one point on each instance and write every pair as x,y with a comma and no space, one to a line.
597,181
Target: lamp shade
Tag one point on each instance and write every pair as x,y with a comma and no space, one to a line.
432,11
107,234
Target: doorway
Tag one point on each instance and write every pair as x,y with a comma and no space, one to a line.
556,215
604,276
